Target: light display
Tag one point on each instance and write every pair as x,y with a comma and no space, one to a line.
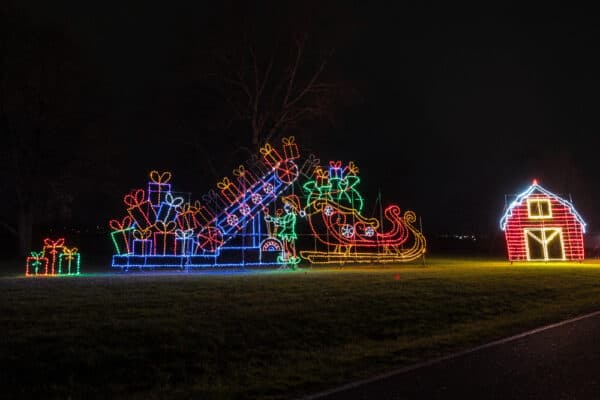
334,213
540,226
54,259
285,228
51,248
121,234
68,261
158,187
225,229
140,209
36,264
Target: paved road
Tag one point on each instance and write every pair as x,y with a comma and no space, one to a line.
562,362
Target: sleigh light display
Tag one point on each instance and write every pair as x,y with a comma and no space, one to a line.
334,209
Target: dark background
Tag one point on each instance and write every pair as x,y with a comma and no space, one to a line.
452,107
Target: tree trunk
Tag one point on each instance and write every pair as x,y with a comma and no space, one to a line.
25,230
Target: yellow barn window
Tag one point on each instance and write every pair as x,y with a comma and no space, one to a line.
539,208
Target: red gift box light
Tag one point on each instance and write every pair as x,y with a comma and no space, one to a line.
290,148
229,190
164,238
51,247
270,155
139,209
187,217
244,177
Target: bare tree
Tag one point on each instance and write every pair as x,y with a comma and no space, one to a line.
275,86
275,92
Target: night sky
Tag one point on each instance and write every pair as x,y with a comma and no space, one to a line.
452,108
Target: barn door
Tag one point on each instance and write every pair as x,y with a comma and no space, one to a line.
544,244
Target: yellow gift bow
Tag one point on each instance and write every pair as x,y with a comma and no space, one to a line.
165,228
70,253
320,173
142,234
239,171
224,184
288,140
352,168
266,149
158,177
185,208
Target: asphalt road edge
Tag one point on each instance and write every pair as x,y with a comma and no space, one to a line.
447,357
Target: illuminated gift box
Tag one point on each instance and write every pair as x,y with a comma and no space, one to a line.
336,170
52,247
158,187
36,264
186,217
121,234
270,155
139,209
164,238
68,261
184,240
309,164
245,178
168,208
142,245
229,190
290,148
322,177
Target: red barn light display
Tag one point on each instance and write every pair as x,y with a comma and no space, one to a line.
541,226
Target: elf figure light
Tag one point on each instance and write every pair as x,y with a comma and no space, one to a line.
334,212
227,229
285,224
541,226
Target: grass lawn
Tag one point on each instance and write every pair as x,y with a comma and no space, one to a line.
266,335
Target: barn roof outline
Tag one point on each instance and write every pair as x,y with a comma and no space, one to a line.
535,186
